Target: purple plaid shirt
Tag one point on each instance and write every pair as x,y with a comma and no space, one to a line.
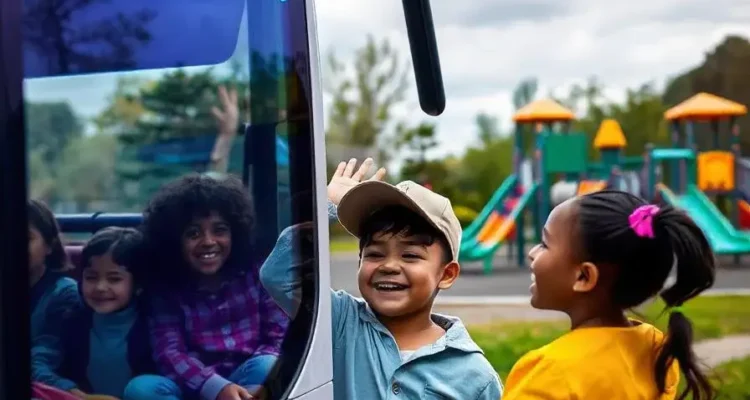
204,336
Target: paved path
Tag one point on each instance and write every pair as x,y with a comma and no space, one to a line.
718,351
479,299
508,280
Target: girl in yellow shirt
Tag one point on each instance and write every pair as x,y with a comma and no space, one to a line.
602,254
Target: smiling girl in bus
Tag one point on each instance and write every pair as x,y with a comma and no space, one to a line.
106,343
53,294
216,333
619,255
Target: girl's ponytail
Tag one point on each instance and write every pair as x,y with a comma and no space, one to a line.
696,270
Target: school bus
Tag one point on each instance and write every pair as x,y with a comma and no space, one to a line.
80,56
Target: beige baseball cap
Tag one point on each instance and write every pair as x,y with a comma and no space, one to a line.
370,196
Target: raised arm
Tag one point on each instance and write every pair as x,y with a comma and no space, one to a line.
281,273
275,324
227,119
171,355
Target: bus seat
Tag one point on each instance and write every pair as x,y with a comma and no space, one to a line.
74,255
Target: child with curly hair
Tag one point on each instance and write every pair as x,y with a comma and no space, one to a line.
215,331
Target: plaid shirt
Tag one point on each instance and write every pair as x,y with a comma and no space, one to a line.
199,336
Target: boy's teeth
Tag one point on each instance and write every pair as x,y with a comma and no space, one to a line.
389,286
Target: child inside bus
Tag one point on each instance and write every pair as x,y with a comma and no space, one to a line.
602,254
390,343
104,344
216,333
53,294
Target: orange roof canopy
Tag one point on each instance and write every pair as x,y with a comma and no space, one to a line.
543,111
705,106
610,136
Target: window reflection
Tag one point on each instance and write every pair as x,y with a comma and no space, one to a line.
218,152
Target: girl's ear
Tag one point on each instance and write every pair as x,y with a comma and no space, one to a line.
587,277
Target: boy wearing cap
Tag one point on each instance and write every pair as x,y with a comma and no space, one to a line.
389,344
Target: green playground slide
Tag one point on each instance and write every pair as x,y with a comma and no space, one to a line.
723,237
493,204
486,250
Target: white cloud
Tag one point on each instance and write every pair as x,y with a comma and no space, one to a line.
487,46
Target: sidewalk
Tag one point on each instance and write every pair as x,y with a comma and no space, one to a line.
718,351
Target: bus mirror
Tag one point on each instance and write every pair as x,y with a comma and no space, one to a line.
424,55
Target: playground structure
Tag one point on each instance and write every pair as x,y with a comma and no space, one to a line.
696,175
559,168
555,167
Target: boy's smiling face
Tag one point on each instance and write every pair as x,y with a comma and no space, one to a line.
399,274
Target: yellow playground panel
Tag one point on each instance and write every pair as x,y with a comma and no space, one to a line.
716,170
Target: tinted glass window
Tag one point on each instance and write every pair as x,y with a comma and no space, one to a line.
124,96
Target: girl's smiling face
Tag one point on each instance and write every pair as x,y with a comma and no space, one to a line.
554,269
106,286
207,243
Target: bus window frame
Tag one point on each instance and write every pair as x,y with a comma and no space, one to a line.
313,379
15,329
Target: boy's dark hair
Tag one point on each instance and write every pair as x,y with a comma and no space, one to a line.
642,266
398,220
125,245
42,218
175,206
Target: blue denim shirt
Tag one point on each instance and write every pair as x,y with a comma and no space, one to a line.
366,359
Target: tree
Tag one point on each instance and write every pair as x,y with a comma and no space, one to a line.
178,105
525,92
419,140
125,108
69,44
86,175
488,128
725,72
362,104
41,180
50,127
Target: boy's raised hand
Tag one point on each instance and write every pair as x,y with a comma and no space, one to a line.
345,178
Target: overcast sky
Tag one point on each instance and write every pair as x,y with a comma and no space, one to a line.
487,46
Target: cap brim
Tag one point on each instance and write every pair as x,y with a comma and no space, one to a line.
368,197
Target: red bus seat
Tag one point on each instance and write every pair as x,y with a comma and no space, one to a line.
74,255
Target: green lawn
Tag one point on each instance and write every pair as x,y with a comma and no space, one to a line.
733,380
344,245
712,317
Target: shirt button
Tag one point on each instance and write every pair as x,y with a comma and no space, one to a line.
395,388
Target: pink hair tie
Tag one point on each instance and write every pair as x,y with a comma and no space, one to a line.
642,220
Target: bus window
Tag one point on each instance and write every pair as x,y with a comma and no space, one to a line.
123,97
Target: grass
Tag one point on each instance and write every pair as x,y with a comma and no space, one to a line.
505,342
733,380
344,245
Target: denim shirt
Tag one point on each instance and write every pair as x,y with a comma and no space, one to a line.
366,359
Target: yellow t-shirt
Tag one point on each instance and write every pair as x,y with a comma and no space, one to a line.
596,364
